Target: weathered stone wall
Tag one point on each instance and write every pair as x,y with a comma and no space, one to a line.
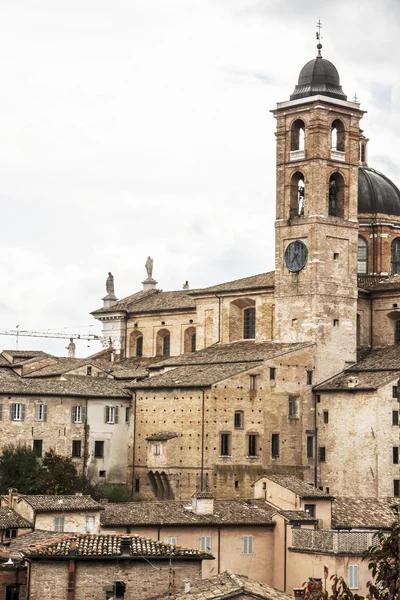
74,522
359,429
265,412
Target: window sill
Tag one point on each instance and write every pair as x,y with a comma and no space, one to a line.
225,456
253,457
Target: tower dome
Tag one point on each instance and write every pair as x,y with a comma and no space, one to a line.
376,193
318,76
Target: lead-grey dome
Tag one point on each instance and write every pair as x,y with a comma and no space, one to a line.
319,76
376,193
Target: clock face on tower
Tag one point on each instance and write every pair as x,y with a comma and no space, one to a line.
296,256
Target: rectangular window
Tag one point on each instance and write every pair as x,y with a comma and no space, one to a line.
238,419
76,448
310,509
137,485
395,417
102,473
252,445
395,455
326,416
275,445
318,398
38,448
172,539
17,411
59,524
353,577
225,444
310,446
111,416
90,524
205,543
10,533
293,403
248,544
89,371
78,414
99,449
396,488
127,414
249,323
193,343
395,391
322,454
309,377
272,373
157,449
253,383
41,412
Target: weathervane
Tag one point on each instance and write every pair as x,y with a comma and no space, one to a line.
319,36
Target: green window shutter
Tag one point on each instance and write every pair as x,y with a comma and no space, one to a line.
22,412
83,414
105,414
116,414
45,412
72,414
12,411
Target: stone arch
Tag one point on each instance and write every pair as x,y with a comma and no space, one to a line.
189,340
395,256
336,195
337,136
237,316
362,255
136,343
297,135
297,195
163,342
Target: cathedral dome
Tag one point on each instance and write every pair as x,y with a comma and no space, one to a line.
319,76
376,193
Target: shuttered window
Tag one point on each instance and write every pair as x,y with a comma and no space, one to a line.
111,414
41,412
248,543
17,411
353,577
78,414
205,543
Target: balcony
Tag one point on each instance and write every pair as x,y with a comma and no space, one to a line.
347,542
338,155
297,154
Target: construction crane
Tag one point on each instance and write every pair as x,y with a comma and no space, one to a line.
50,334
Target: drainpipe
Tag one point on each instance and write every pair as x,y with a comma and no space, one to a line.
285,558
85,448
28,578
134,446
371,324
219,552
316,440
202,443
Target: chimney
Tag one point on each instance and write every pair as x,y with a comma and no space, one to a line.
12,492
125,545
203,503
298,593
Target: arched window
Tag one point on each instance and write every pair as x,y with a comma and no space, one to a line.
336,195
163,343
249,323
297,195
337,137
139,346
189,343
395,257
362,255
397,332
297,140
136,343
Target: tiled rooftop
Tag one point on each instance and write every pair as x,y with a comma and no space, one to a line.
264,280
23,543
9,519
162,436
76,502
363,513
298,487
244,351
173,512
74,386
194,375
152,301
296,515
230,585
109,546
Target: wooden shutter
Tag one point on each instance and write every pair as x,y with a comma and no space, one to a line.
106,414
44,412
73,414
12,411
83,409
22,412
116,414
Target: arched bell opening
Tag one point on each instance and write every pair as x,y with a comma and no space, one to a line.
297,195
336,195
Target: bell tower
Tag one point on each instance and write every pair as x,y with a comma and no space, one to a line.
318,136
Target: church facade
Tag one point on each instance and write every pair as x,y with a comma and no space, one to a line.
260,375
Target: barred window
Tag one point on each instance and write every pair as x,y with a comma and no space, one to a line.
166,345
139,346
249,323
362,255
395,256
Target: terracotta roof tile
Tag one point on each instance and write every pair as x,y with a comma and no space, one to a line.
175,512
297,486
73,386
9,519
363,513
24,542
264,280
65,503
296,515
231,585
152,301
110,546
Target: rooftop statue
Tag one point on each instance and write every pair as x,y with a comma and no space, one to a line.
110,285
149,267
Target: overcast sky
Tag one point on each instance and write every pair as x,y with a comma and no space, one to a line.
137,127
